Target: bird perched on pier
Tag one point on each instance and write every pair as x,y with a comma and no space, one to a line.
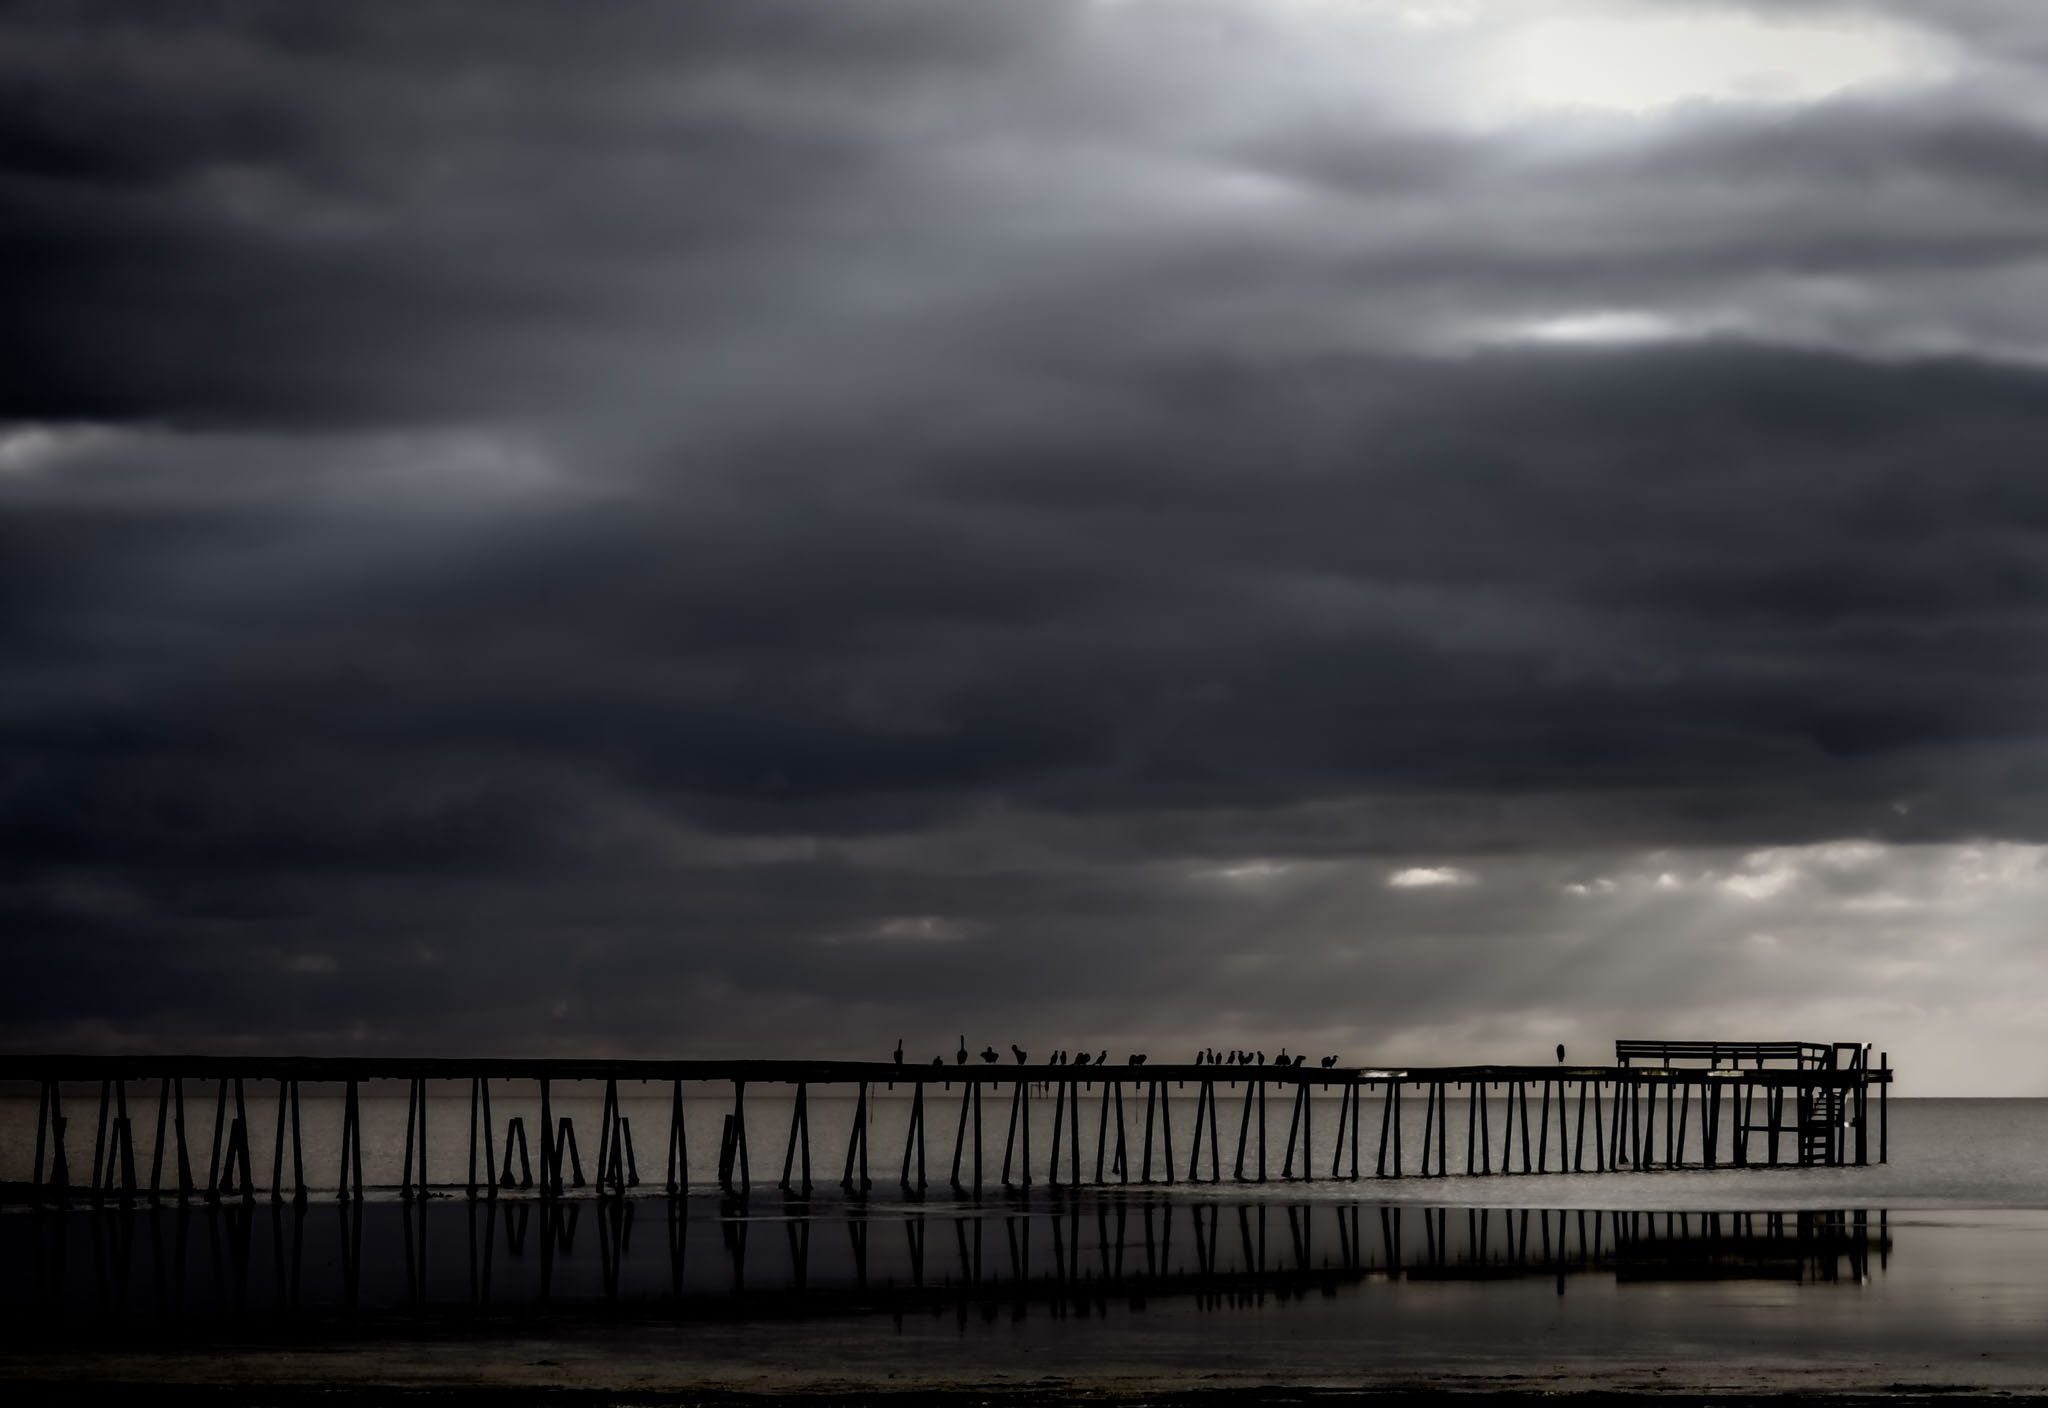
1138,1058
1201,1058
1301,1060
1329,1061
1082,1059
1560,1053
939,1061
990,1056
899,1050
1233,1058
961,1056
1103,1059
1021,1053
1283,1059
1260,1058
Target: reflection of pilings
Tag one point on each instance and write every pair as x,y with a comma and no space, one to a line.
1136,1247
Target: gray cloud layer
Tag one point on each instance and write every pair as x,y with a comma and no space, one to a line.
745,518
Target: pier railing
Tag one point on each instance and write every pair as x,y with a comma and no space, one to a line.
1638,1118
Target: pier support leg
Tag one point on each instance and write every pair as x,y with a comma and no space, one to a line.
1428,1124
412,1106
677,1176
1074,1131
1151,1105
1244,1129
1059,1127
800,1142
913,1140
857,1146
350,1184
1390,1120
1102,1134
1344,1122
156,1158
739,1133
1522,1094
1010,1138
550,1156
1262,1128
1294,1133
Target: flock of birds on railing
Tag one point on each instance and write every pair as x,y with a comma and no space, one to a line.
1207,1056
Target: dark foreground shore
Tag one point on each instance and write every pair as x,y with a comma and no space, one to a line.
70,1391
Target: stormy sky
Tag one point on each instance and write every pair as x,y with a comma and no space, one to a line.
1415,529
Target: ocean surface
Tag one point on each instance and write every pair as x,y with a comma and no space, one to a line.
1930,1270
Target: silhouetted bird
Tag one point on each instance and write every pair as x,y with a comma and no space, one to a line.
1233,1058
1138,1059
990,1056
1201,1058
1560,1053
1103,1059
961,1056
1021,1053
1329,1061
1301,1060
1260,1058
899,1050
1283,1059
1082,1059
1059,1058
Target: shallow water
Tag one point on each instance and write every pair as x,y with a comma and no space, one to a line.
1089,1286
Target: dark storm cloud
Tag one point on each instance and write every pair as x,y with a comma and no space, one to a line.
753,516
266,214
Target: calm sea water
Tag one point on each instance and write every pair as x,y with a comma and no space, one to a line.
1929,1270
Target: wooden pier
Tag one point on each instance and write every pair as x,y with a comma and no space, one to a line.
1753,1104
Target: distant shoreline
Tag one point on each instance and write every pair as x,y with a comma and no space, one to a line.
1109,1392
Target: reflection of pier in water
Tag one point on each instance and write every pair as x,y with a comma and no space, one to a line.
694,1259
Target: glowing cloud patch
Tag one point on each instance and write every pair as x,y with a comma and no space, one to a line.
1636,63
1423,877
